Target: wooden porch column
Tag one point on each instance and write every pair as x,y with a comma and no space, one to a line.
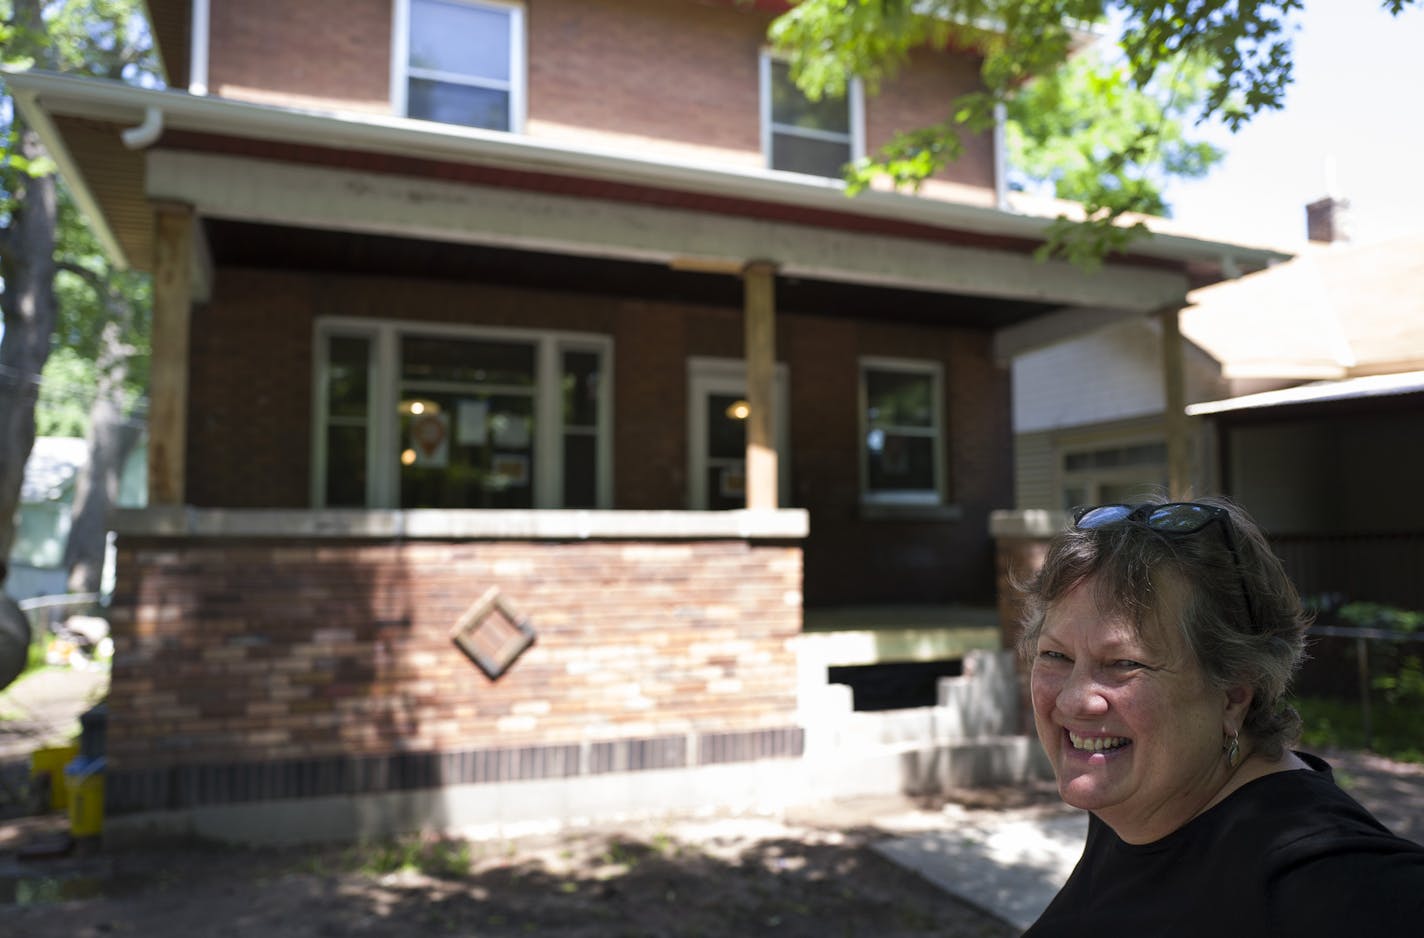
759,321
1179,469
168,369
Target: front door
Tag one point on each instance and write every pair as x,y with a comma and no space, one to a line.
717,441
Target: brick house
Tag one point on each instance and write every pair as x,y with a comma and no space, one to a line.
480,321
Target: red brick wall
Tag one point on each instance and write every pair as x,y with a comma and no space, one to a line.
676,74
851,558
336,52
922,94
268,650
250,394
649,68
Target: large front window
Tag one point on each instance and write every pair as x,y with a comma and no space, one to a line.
460,62
902,452
417,417
799,135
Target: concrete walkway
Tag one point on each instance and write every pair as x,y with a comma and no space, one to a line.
1009,863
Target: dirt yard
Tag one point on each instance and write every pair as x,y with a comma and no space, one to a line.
815,877
810,874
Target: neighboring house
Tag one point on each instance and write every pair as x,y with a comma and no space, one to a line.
1324,438
521,374
1308,379
42,523
46,498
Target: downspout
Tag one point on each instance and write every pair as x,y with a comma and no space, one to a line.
144,135
1001,159
198,49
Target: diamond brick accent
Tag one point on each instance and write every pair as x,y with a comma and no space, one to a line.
493,634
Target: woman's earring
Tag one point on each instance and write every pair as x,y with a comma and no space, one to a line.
1233,750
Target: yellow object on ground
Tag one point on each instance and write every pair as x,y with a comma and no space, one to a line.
85,780
50,762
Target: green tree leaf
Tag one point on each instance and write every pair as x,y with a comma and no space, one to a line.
1108,132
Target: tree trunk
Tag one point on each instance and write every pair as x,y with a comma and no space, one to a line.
28,304
96,488
14,640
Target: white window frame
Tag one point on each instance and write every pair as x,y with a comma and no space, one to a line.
1150,478
855,101
382,452
518,72
707,375
935,371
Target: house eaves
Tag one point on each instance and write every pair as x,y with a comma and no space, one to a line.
43,97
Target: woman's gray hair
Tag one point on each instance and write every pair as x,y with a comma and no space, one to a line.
1193,580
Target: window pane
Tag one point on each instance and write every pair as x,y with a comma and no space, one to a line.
348,376
813,157
790,106
726,435
580,389
458,104
727,485
580,470
460,38
899,399
468,450
467,362
900,463
345,467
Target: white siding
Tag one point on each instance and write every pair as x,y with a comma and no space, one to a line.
1112,374
1035,471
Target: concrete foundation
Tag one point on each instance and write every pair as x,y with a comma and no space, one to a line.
964,742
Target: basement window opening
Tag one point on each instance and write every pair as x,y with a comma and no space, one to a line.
896,685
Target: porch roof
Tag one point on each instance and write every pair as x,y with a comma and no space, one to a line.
1318,392
718,215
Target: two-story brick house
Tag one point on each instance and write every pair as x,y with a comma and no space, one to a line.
554,311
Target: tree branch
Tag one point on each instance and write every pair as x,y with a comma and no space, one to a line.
95,280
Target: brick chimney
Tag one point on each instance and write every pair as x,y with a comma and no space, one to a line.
1325,220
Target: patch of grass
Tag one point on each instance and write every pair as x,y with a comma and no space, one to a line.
439,857
1396,732
35,659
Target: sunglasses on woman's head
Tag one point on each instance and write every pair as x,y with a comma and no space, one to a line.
1172,518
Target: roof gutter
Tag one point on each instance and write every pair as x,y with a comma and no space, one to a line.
1411,382
41,94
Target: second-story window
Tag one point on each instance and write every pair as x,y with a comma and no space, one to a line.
460,62
804,136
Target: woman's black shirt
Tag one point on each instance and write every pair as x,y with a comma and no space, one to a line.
1286,854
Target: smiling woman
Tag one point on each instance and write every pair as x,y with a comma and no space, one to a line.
1161,640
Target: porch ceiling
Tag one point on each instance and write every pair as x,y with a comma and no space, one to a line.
243,244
